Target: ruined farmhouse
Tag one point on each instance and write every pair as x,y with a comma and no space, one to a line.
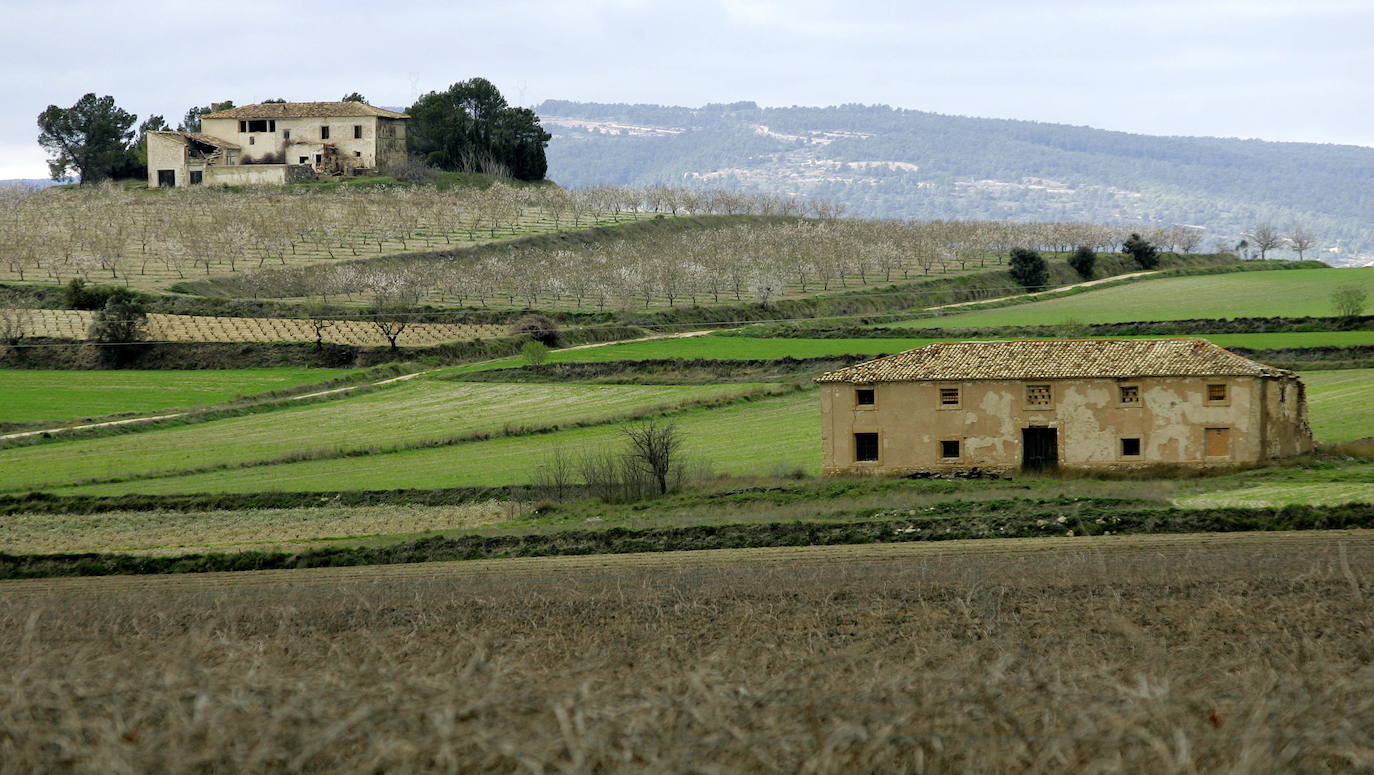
1037,404
276,143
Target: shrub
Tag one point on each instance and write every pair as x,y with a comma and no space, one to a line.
1083,261
540,328
1349,301
1144,253
121,320
535,352
1028,269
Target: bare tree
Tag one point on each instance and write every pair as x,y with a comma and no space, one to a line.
14,318
1264,238
1301,241
654,449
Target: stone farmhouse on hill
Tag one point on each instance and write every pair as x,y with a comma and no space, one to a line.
276,143
1039,404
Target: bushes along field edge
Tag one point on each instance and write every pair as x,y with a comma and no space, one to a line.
1056,517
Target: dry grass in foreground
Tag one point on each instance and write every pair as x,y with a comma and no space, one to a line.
1239,654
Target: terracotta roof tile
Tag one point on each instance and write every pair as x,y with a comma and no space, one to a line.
1054,359
305,110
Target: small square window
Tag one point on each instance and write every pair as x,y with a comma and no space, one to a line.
1216,392
305,159
949,449
864,397
357,131
196,177
324,133
1037,395
949,396
286,134
359,154
866,447
1130,447
1130,394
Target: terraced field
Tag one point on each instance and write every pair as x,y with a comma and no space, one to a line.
759,348
73,324
415,412
772,435
62,396
1289,293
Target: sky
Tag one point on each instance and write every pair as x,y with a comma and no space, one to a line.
1295,70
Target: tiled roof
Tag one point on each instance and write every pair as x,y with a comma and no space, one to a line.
1054,359
305,110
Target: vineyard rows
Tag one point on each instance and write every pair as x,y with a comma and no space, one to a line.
73,324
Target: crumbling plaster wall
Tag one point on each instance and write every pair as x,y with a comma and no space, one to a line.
1090,419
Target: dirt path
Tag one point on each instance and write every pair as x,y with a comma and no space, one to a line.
1087,284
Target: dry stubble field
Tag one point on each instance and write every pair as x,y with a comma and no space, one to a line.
1161,654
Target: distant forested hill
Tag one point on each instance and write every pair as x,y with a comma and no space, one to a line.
887,162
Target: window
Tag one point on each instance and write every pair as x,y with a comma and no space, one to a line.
1130,394
949,449
866,447
305,159
864,397
252,140
196,176
949,396
357,131
259,125
286,134
1216,393
1216,442
1037,395
1130,447
324,133
1283,393
317,158
243,126
359,154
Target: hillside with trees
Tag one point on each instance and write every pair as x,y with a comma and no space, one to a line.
886,162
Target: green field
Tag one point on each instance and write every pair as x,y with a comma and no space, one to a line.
717,347
63,396
410,412
1341,404
773,435
1288,293
764,436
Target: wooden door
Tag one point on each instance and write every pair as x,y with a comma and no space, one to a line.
1039,449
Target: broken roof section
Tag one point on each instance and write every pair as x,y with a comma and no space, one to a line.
1055,359
198,138
305,110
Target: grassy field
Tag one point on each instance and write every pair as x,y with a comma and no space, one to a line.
777,434
1238,653
1294,293
1341,404
759,348
412,412
60,396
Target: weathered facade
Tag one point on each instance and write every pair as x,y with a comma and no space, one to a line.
1034,404
275,143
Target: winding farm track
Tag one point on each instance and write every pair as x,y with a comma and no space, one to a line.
1347,554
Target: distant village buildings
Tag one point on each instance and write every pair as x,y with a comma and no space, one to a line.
1040,404
277,143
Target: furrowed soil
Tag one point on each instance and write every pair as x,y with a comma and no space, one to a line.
1186,653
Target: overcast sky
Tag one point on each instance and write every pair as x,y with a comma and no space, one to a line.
1273,69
